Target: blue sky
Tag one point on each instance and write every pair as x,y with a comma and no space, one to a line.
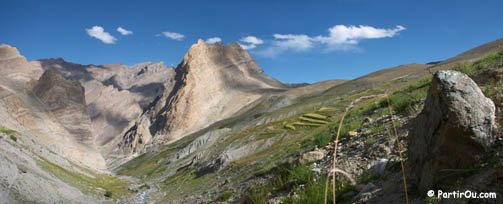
291,41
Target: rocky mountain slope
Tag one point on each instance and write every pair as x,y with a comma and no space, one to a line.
217,129
253,157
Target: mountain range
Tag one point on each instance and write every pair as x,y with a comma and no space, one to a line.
214,129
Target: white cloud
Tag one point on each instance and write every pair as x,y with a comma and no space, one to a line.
342,36
173,35
250,42
293,42
213,40
247,46
124,31
99,33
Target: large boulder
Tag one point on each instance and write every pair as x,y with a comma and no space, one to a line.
452,132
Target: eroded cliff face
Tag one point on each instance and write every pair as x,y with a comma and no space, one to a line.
65,100
213,82
46,109
81,111
115,94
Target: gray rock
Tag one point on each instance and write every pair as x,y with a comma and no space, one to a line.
366,188
312,156
453,131
379,166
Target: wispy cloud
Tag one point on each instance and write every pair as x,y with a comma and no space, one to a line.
99,33
286,42
213,40
173,35
250,42
340,37
124,31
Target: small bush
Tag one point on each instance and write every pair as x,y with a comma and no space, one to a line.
145,186
370,140
13,138
323,138
225,196
492,88
465,67
108,194
313,193
403,101
490,61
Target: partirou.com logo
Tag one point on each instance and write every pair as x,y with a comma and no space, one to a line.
461,194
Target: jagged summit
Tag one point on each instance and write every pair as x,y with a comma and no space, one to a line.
8,52
212,83
231,61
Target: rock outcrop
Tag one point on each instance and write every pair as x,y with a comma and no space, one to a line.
453,131
15,68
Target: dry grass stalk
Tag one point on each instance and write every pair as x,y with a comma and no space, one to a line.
399,148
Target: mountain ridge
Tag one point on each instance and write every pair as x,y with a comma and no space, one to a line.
216,122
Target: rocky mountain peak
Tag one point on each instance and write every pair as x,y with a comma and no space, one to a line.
230,62
213,82
8,52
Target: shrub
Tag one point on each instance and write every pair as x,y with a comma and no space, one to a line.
108,194
490,61
323,138
465,67
145,186
13,138
225,196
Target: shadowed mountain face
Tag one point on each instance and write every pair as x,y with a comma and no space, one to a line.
115,94
66,101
